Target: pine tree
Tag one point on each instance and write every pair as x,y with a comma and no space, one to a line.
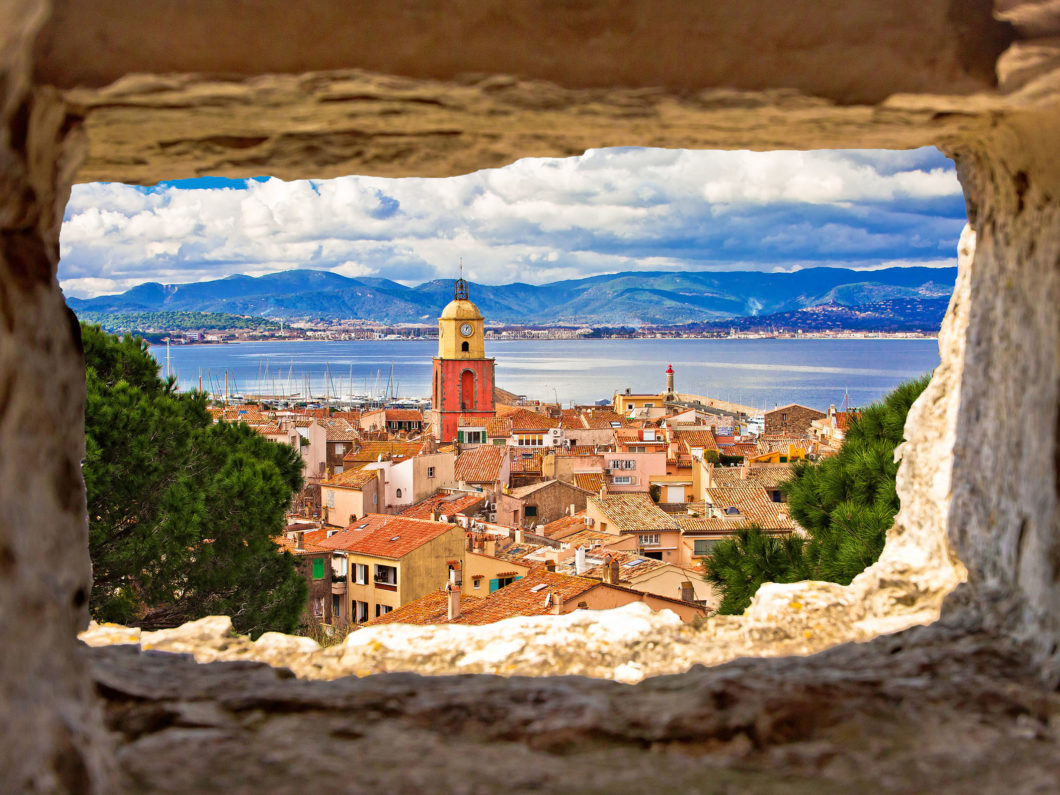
845,504
740,564
181,511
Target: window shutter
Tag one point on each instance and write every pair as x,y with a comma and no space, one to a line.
318,568
495,584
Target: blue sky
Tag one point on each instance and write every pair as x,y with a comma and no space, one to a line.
537,220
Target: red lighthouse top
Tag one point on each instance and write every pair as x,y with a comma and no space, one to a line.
670,370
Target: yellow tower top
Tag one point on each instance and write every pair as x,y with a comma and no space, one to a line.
460,328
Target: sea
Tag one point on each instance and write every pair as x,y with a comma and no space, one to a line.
763,373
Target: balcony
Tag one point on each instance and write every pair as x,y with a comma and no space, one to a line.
383,585
338,586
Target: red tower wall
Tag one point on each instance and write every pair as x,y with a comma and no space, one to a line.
448,400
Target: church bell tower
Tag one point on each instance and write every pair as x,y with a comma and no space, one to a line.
463,376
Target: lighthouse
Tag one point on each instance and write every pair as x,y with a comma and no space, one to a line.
670,394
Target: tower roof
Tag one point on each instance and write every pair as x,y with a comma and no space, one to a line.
460,308
670,370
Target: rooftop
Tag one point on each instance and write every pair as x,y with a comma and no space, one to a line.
480,464
633,513
446,504
352,478
390,537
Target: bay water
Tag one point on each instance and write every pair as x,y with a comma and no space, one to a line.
756,372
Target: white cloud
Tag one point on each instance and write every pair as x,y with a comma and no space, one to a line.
536,220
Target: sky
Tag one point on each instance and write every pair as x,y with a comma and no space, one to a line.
537,220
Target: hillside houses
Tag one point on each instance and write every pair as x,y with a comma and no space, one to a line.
597,505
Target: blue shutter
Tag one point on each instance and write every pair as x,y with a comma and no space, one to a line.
495,584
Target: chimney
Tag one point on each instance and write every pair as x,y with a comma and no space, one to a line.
688,592
550,565
573,509
454,601
435,514
518,536
611,573
489,547
579,561
603,492
299,541
557,604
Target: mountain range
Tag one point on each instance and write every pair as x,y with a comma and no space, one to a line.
628,299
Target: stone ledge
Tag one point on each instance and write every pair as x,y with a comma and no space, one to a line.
931,709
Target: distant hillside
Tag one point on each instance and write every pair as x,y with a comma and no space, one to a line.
631,299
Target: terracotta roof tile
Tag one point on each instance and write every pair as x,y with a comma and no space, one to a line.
703,439
498,428
352,478
390,537
633,513
561,528
524,420
430,609
525,461
370,452
447,504
480,464
590,481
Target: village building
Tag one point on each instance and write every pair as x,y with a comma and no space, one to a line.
348,496
394,560
486,572
409,480
393,421
632,472
447,506
540,593
539,503
340,438
483,468
646,575
791,420
658,534
526,466
314,564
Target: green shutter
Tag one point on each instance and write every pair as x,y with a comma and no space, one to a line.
318,568
495,584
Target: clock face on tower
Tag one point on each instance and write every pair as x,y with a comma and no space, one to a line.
466,329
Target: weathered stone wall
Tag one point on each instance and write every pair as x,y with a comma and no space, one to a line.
51,740
1004,519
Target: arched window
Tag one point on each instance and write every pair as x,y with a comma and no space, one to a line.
399,494
467,390
465,347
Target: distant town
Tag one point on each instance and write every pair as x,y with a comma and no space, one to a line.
184,328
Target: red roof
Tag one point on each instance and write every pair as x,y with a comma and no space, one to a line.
387,536
447,505
480,464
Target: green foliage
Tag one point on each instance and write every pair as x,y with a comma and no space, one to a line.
146,322
740,564
654,492
181,511
846,504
